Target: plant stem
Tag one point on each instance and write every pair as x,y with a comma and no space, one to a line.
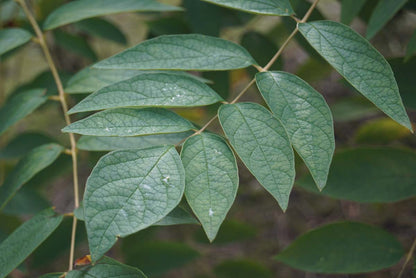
408,257
64,105
266,68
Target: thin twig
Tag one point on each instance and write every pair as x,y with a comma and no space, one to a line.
266,68
408,257
64,105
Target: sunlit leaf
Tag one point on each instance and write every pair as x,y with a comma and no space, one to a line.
11,38
344,247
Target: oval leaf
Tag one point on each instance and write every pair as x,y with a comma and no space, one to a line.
103,143
370,175
262,143
128,191
306,117
211,177
359,63
181,52
82,9
35,161
106,268
11,38
364,248
25,239
151,89
130,122
19,106
268,7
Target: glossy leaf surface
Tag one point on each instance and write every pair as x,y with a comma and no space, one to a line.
211,177
370,175
128,191
181,52
151,89
35,161
306,117
82,9
130,122
19,106
11,38
268,7
364,249
25,239
262,143
359,63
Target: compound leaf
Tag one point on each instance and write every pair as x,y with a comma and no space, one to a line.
77,10
306,117
211,177
267,7
130,190
130,122
364,249
181,52
11,38
35,161
25,239
262,143
359,63
151,89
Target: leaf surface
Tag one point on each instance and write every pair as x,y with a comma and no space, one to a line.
364,248
306,117
359,63
25,239
128,191
181,52
130,122
31,164
104,143
267,7
19,106
82,9
350,9
106,268
411,46
11,38
211,178
151,89
382,13
262,143
102,28
370,175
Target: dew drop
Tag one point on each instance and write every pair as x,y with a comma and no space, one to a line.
166,179
210,212
107,129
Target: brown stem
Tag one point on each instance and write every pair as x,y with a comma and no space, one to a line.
64,105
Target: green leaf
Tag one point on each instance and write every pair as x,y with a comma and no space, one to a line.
242,268
22,144
11,38
25,239
411,46
350,9
177,216
352,109
82,9
130,122
35,161
199,16
181,52
306,117
19,106
26,202
211,177
94,143
370,175
102,28
106,268
343,247
382,13
52,275
128,191
359,63
231,231
267,7
157,257
262,143
403,71
151,89
74,44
